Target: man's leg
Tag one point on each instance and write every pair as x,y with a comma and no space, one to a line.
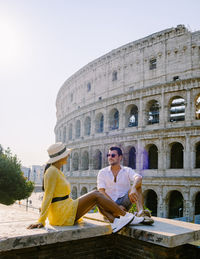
140,208
125,203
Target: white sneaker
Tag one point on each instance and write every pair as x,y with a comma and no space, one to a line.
121,222
136,220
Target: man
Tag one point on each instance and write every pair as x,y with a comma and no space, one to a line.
115,180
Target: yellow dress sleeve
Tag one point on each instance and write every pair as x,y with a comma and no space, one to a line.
50,178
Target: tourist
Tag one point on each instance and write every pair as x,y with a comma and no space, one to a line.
114,182
61,209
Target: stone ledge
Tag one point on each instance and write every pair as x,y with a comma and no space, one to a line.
164,232
14,235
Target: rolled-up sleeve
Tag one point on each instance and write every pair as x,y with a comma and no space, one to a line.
101,180
133,175
50,178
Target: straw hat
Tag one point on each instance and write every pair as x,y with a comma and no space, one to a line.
57,151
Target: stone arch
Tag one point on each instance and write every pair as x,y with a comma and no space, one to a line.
197,155
75,162
114,119
97,160
152,157
177,109
84,190
99,123
176,155
131,116
197,204
132,158
175,204
85,160
74,193
78,128
87,126
197,107
151,201
152,112
70,132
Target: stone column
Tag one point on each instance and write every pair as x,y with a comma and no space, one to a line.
92,116
187,154
139,156
160,205
161,111
188,115
106,121
140,114
90,152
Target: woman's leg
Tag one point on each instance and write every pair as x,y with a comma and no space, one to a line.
89,200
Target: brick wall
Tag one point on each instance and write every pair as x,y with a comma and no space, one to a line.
111,246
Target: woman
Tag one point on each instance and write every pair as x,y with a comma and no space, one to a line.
60,209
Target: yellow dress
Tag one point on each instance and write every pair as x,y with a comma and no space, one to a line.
60,213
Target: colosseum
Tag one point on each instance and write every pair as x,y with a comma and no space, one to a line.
144,97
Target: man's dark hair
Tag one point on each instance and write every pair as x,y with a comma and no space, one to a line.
118,149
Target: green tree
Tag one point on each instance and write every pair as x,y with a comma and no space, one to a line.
13,185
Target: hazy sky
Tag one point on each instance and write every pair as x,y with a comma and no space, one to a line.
43,42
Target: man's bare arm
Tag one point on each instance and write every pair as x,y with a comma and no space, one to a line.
133,195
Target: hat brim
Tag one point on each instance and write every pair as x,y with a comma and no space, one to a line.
57,158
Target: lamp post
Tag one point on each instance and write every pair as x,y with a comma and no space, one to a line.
29,171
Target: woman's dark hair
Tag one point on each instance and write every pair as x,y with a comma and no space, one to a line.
46,167
118,149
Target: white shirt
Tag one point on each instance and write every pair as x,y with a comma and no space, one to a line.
118,189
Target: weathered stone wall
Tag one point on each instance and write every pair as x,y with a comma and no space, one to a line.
119,80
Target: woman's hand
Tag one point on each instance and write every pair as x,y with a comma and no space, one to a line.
36,225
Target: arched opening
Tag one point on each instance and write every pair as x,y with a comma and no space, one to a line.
197,107
132,158
64,135
197,155
78,129
114,75
197,204
75,162
97,160
175,205
99,123
83,191
153,112
132,118
176,158
177,109
85,160
70,132
153,157
87,126
74,193
151,202
114,119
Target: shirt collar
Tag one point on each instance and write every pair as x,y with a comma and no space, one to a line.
121,168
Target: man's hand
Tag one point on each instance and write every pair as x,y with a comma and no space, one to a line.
36,225
133,196
123,208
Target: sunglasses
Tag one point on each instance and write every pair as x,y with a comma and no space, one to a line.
112,155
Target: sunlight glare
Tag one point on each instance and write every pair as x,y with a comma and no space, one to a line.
9,44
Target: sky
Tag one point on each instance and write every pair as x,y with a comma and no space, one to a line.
44,42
